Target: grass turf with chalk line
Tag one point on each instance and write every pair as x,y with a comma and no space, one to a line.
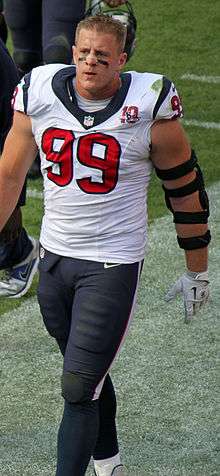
166,376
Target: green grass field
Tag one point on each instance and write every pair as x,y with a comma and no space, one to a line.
166,376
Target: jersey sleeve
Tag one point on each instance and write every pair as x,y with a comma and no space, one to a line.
29,96
168,103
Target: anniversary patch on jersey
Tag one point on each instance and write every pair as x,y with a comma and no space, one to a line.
130,115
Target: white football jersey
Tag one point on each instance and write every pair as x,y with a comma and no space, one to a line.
95,166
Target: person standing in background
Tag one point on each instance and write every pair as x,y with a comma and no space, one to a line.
42,32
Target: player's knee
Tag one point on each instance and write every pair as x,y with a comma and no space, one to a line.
75,389
26,60
57,51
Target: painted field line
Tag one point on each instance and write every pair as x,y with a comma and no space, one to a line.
202,78
163,265
205,125
33,193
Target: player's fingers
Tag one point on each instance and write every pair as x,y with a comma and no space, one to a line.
194,300
173,291
189,309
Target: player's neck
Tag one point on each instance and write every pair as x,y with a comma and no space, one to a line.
96,94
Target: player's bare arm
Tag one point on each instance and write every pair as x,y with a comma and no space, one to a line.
186,197
170,148
19,152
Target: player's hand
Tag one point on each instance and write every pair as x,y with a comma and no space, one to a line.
115,3
195,290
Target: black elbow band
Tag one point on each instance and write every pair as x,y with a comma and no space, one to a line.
196,185
178,171
191,218
194,242
185,190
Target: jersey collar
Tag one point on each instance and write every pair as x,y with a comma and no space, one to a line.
63,80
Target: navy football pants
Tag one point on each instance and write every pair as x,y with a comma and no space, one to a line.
87,308
36,25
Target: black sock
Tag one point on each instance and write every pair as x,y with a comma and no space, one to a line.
107,443
77,437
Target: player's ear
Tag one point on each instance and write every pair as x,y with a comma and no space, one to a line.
122,59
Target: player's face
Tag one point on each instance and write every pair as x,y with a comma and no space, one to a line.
98,61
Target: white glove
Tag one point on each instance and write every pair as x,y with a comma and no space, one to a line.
195,290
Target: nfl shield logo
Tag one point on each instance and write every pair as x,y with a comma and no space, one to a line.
88,121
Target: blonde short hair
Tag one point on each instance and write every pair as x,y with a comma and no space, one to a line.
104,24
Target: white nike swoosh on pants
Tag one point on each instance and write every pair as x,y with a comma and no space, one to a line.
111,265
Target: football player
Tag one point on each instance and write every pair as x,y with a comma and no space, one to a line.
18,251
42,31
37,36
100,133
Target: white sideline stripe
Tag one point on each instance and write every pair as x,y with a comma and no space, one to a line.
202,79
159,233
32,193
206,125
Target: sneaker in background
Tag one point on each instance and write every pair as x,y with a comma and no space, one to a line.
15,281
